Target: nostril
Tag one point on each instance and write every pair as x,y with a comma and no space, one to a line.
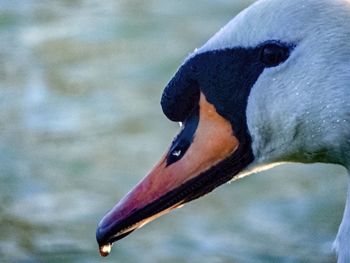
177,151
184,139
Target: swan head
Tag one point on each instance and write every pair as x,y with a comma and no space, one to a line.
271,86
298,110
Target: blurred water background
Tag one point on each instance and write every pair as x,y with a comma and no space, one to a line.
80,124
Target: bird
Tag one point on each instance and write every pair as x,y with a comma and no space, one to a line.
271,86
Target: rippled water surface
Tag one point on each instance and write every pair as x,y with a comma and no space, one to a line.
80,124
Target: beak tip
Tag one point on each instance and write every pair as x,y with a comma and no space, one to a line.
102,234
99,235
103,241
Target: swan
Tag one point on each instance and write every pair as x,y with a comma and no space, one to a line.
271,86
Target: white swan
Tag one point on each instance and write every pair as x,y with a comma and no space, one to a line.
272,86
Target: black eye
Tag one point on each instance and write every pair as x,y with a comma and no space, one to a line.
273,54
177,152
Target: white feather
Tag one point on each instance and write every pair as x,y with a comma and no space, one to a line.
300,110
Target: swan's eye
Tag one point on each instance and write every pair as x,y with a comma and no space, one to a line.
273,54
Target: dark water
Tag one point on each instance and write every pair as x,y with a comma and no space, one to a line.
80,124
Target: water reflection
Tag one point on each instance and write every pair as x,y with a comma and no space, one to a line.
80,123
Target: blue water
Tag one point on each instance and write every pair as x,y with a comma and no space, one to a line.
80,124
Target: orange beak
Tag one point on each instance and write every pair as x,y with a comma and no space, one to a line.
210,160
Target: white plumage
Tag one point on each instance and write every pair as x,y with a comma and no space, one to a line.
271,86
300,110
